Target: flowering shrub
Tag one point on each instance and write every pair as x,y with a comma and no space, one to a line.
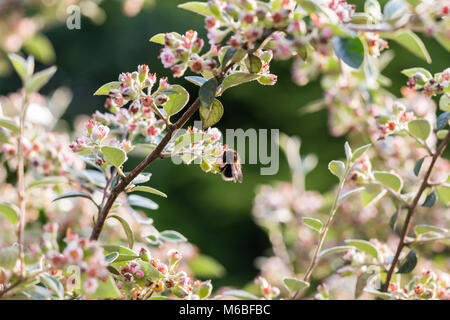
393,160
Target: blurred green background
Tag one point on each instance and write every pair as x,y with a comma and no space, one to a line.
213,214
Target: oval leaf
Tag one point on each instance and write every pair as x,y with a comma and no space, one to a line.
390,180
337,168
149,190
408,263
105,89
313,223
126,227
8,124
178,98
237,79
10,211
241,294
207,92
174,236
294,284
364,246
114,156
39,79
334,250
210,116
420,128
349,50
138,201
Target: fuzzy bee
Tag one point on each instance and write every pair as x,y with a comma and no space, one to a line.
230,166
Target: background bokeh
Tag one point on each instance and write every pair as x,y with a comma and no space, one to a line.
213,214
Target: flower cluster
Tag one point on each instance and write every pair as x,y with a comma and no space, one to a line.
183,51
86,254
428,285
147,276
431,85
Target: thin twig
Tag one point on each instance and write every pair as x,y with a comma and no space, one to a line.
412,208
324,231
155,154
21,185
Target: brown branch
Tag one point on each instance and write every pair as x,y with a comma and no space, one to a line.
124,182
402,243
156,153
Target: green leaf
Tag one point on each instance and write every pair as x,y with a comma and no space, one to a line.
114,156
53,284
21,66
206,267
349,50
418,165
349,193
200,8
109,248
39,79
442,120
294,284
360,151
210,116
106,290
361,283
8,124
410,41
443,40
154,240
253,63
159,38
337,168
388,179
376,293
138,201
408,263
111,257
364,246
393,220
424,228
75,194
420,128
173,236
326,252
233,55
199,81
41,48
430,200
10,211
241,294
46,181
149,190
9,256
444,103
207,92
348,151
413,71
313,223
237,79
126,227
142,178
394,9
441,134
178,98
443,194
105,89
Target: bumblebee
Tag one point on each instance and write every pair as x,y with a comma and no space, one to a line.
230,166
